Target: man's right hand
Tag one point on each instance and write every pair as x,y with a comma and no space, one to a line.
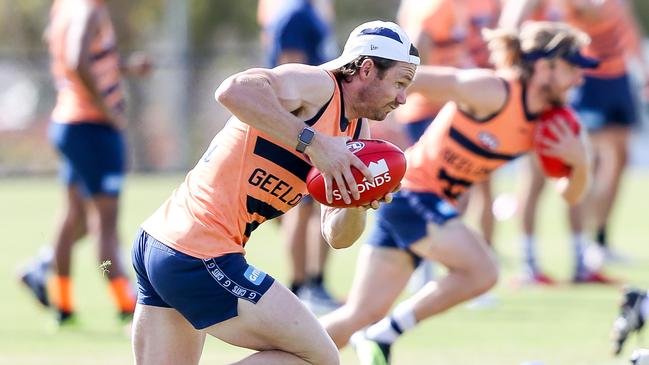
334,161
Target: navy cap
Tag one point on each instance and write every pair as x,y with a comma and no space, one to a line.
573,56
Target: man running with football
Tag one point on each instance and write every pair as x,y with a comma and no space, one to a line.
192,275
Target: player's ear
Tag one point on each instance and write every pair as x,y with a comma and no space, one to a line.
367,67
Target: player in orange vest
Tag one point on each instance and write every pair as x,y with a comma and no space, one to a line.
87,128
192,275
475,133
606,106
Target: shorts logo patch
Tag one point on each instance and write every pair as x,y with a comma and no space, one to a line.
446,208
253,275
112,183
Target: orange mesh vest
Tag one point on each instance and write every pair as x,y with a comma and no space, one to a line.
244,179
74,102
457,150
610,32
446,23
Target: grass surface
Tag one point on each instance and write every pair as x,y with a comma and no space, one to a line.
564,325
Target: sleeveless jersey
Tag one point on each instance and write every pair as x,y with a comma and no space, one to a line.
446,24
74,102
457,150
610,31
244,179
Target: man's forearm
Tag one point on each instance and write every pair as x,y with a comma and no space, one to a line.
342,227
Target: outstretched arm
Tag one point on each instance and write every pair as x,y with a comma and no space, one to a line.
478,92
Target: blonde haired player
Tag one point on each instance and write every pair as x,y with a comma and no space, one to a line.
475,133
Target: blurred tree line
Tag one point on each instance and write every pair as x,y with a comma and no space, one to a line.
194,44
22,22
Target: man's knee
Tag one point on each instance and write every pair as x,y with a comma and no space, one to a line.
485,276
326,355
367,314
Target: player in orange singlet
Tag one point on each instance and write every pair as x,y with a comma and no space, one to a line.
475,133
87,128
606,107
532,273
192,275
439,29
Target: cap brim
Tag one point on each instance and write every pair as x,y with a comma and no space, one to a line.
582,61
337,63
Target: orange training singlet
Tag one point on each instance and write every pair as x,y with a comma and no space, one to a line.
610,31
74,102
457,150
445,22
243,179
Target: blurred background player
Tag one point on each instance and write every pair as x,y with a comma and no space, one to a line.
474,134
605,105
532,274
87,128
447,33
300,31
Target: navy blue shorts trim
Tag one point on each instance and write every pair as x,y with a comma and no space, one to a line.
205,292
605,102
93,156
403,222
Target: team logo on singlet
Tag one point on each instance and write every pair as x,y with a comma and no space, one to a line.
355,146
488,140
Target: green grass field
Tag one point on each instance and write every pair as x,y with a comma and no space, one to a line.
564,325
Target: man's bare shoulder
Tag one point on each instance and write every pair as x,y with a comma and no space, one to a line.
311,84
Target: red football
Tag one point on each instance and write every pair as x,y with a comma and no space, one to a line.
553,166
386,162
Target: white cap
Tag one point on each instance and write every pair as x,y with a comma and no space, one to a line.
378,39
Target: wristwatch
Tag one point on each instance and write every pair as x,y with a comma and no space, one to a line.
304,139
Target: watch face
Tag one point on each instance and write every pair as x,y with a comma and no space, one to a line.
307,135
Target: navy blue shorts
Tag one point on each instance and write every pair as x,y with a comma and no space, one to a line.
403,222
205,292
416,129
604,102
94,156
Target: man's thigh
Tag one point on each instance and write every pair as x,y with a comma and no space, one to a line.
278,321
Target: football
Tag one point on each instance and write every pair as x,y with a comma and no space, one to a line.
553,166
386,162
